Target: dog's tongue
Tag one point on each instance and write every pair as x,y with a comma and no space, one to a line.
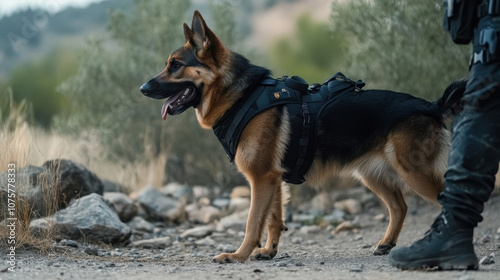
164,109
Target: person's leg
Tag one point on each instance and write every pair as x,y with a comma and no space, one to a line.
469,181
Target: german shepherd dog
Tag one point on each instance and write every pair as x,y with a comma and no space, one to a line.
391,142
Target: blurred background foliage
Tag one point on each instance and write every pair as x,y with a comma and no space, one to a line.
399,45
91,89
313,52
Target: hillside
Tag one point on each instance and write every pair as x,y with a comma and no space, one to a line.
30,34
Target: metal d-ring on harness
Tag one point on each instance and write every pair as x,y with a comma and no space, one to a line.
304,106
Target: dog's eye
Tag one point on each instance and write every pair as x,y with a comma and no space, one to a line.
176,66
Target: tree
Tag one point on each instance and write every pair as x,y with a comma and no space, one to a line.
37,81
314,52
399,45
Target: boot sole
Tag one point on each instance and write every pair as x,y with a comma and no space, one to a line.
466,262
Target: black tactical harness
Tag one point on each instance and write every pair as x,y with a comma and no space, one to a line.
304,105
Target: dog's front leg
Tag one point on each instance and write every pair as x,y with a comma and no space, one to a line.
263,190
275,225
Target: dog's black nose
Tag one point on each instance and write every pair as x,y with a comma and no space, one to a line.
150,86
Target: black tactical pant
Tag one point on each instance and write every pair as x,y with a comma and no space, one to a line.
475,150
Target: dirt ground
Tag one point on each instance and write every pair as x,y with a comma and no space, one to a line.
320,255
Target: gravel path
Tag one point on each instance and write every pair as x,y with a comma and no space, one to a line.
319,255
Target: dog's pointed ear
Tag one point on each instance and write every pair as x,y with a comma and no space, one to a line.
201,32
188,33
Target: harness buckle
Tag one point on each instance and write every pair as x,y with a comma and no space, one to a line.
488,40
305,115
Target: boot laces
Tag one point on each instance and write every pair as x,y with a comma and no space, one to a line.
437,226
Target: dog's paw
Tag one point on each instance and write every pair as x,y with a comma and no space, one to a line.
383,249
264,253
229,258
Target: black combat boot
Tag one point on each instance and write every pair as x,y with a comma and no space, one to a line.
447,245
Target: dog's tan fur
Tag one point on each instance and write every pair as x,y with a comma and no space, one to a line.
413,157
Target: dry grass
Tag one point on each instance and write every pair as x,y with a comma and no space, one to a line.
24,144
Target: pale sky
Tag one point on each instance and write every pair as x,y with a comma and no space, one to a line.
7,7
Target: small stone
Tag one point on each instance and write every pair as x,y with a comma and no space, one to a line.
238,204
179,192
139,223
226,248
299,264
69,243
41,227
155,243
91,251
311,242
122,204
297,240
4,268
346,226
221,203
283,256
240,191
205,241
61,259
336,217
356,268
236,221
490,259
380,217
159,206
198,232
303,218
309,229
282,264
202,214
351,206
485,239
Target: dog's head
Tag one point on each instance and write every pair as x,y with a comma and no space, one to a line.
188,70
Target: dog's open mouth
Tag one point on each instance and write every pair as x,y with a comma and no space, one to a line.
179,102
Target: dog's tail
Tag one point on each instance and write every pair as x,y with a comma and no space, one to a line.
450,103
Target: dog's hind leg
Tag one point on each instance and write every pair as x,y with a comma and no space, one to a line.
275,224
263,190
388,189
418,150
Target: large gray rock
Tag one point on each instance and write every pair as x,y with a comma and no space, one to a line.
72,180
123,205
33,192
40,191
159,206
90,218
